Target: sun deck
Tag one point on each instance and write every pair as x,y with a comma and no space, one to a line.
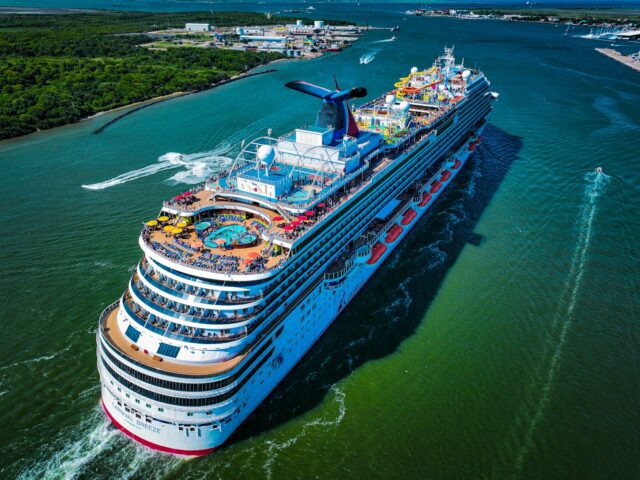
117,340
274,232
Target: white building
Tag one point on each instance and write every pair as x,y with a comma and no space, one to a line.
198,27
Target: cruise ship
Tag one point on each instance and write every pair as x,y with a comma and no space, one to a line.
241,275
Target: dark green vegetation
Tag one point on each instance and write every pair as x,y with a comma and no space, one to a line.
58,69
578,15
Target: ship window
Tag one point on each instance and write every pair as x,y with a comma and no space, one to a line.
190,414
161,409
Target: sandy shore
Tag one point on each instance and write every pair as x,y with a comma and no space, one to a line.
617,56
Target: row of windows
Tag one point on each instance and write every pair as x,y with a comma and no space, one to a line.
185,387
180,401
346,211
399,172
323,230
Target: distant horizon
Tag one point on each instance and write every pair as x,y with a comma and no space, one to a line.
206,4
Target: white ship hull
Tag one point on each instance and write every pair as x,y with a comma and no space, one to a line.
314,312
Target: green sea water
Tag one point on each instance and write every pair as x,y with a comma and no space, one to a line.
501,340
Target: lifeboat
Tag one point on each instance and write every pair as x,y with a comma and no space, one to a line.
445,176
408,216
376,252
474,144
393,233
435,186
457,164
426,197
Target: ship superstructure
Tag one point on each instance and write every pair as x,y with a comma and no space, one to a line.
241,275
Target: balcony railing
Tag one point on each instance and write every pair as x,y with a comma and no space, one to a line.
175,331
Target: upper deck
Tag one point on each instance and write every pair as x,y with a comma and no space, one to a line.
245,220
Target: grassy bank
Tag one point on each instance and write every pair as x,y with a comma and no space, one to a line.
58,69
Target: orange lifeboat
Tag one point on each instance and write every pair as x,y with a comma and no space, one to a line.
426,197
457,164
435,186
393,233
408,216
474,144
376,252
445,176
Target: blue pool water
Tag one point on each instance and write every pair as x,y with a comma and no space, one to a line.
231,233
203,225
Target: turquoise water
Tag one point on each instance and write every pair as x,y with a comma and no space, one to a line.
230,233
203,225
501,340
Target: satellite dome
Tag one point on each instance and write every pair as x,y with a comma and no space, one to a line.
265,155
389,99
404,106
466,74
414,69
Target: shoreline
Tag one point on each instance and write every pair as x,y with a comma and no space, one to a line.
162,98
618,57
134,107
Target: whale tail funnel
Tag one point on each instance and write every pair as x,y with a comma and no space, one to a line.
334,112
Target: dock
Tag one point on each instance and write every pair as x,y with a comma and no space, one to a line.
628,60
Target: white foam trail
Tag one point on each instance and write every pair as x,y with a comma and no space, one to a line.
386,40
273,447
369,57
596,181
39,359
69,462
98,441
197,167
165,162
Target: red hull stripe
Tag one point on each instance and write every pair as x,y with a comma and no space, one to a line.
154,446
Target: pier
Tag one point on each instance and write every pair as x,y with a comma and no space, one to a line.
628,60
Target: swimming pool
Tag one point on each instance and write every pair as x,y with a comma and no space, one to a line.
203,225
234,235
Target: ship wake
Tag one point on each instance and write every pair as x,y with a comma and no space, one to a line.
195,167
369,56
98,443
386,40
595,186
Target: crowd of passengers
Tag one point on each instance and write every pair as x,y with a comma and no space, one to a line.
203,258
186,200
178,307
198,291
177,328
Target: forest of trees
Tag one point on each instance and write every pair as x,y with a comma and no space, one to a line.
57,69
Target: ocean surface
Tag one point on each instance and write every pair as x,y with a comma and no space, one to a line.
501,340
